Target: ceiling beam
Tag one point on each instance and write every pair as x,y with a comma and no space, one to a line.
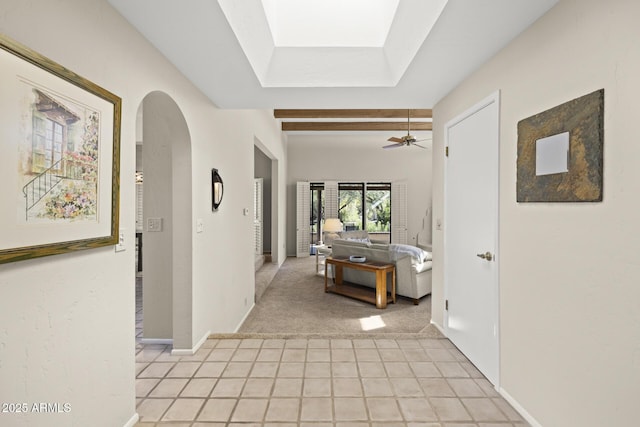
352,114
354,126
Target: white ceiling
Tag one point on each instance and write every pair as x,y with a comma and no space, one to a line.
328,23
331,47
196,37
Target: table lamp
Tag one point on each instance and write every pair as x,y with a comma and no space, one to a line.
332,226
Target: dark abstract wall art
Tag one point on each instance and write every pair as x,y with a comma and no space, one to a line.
573,131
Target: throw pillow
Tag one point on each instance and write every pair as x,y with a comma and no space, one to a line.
416,253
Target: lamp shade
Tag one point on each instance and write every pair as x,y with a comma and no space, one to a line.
332,225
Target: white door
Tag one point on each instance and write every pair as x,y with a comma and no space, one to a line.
303,212
471,235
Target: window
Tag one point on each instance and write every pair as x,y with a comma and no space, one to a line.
361,206
378,208
47,143
350,201
366,206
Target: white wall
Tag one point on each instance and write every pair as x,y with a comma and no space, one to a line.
360,159
222,253
569,273
67,321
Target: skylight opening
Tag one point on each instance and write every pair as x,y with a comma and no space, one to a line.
330,23
331,43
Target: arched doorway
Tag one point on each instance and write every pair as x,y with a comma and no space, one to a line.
166,222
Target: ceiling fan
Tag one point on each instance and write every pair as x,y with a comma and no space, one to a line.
406,140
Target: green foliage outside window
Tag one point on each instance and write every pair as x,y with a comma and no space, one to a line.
378,203
350,209
377,209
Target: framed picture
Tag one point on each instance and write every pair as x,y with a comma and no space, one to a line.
59,158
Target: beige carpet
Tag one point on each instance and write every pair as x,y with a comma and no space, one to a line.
295,303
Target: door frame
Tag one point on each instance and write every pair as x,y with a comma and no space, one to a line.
494,98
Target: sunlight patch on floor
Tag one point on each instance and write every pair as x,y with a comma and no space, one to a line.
372,322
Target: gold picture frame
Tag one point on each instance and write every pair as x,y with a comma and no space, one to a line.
59,157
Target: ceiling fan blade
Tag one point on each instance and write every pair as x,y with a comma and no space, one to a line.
386,147
418,145
423,139
394,139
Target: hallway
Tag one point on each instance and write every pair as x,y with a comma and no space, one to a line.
317,382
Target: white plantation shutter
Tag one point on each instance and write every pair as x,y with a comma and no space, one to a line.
139,199
399,221
330,199
257,216
303,212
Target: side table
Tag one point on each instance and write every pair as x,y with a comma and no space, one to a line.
380,269
321,251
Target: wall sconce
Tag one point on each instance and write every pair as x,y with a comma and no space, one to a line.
217,189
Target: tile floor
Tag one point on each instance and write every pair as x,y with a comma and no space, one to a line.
334,382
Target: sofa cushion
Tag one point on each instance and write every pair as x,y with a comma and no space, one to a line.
380,246
351,243
346,248
356,236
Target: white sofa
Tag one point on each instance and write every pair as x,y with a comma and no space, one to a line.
413,275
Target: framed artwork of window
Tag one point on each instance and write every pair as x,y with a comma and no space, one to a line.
59,158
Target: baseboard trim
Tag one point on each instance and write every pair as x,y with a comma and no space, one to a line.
519,408
159,341
191,351
439,328
513,402
244,318
132,421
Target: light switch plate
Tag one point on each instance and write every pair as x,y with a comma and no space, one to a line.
120,246
199,225
154,224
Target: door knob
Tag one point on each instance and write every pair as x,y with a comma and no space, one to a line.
488,256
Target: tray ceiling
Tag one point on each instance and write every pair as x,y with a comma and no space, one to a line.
198,39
